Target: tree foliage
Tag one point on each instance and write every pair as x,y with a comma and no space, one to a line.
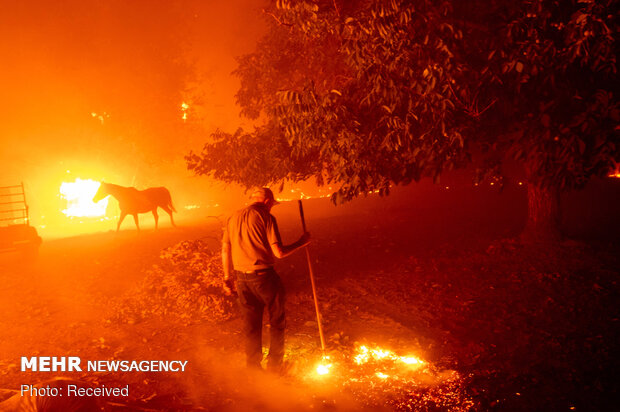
551,65
382,92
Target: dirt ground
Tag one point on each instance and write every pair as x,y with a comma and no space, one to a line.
498,324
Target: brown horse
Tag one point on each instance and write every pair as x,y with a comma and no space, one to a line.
132,201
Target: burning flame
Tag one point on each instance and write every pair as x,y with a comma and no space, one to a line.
311,193
323,367
379,376
184,107
377,358
101,117
365,354
79,196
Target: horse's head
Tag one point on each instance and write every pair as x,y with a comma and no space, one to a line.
101,192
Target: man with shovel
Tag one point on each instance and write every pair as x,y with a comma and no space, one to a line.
250,244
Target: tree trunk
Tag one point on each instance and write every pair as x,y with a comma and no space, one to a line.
543,218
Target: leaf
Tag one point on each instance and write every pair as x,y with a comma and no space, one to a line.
582,146
519,67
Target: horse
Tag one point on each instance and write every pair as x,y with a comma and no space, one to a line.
132,201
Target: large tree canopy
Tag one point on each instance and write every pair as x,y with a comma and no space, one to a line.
381,92
552,66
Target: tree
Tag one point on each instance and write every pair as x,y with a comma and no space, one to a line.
368,95
551,65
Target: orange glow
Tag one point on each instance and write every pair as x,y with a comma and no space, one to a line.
410,360
365,354
323,367
79,197
616,172
310,191
184,107
101,117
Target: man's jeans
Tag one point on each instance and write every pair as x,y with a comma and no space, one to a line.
257,291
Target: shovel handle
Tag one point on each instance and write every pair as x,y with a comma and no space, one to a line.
301,213
316,301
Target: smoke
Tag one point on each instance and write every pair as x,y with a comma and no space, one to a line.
95,91
227,385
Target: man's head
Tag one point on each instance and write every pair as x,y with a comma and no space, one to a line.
265,196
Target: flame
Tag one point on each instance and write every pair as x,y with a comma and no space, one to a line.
365,354
184,107
297,193
380,353
377,376
410,360
79,197
323,367
101,117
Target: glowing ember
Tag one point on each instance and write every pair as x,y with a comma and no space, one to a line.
380,377
409,360
100,117
380,354
184,107
79,197
323,367
377,376
364,355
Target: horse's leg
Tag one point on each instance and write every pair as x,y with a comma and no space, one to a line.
120,220
135,219
169,211
156,217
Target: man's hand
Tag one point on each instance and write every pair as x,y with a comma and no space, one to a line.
280,251
228,286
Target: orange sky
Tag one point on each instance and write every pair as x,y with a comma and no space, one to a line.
131,62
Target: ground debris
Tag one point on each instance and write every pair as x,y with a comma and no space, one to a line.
186,285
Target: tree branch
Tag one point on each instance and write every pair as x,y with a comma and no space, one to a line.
336,7
277,19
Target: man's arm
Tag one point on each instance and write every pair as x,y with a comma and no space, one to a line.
281,251
227,266
226,260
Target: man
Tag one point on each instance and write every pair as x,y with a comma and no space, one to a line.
250,245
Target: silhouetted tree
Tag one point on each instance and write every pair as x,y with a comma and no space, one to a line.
375,93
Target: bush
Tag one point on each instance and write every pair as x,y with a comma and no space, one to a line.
186,286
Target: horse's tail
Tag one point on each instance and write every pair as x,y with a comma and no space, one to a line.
170,201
